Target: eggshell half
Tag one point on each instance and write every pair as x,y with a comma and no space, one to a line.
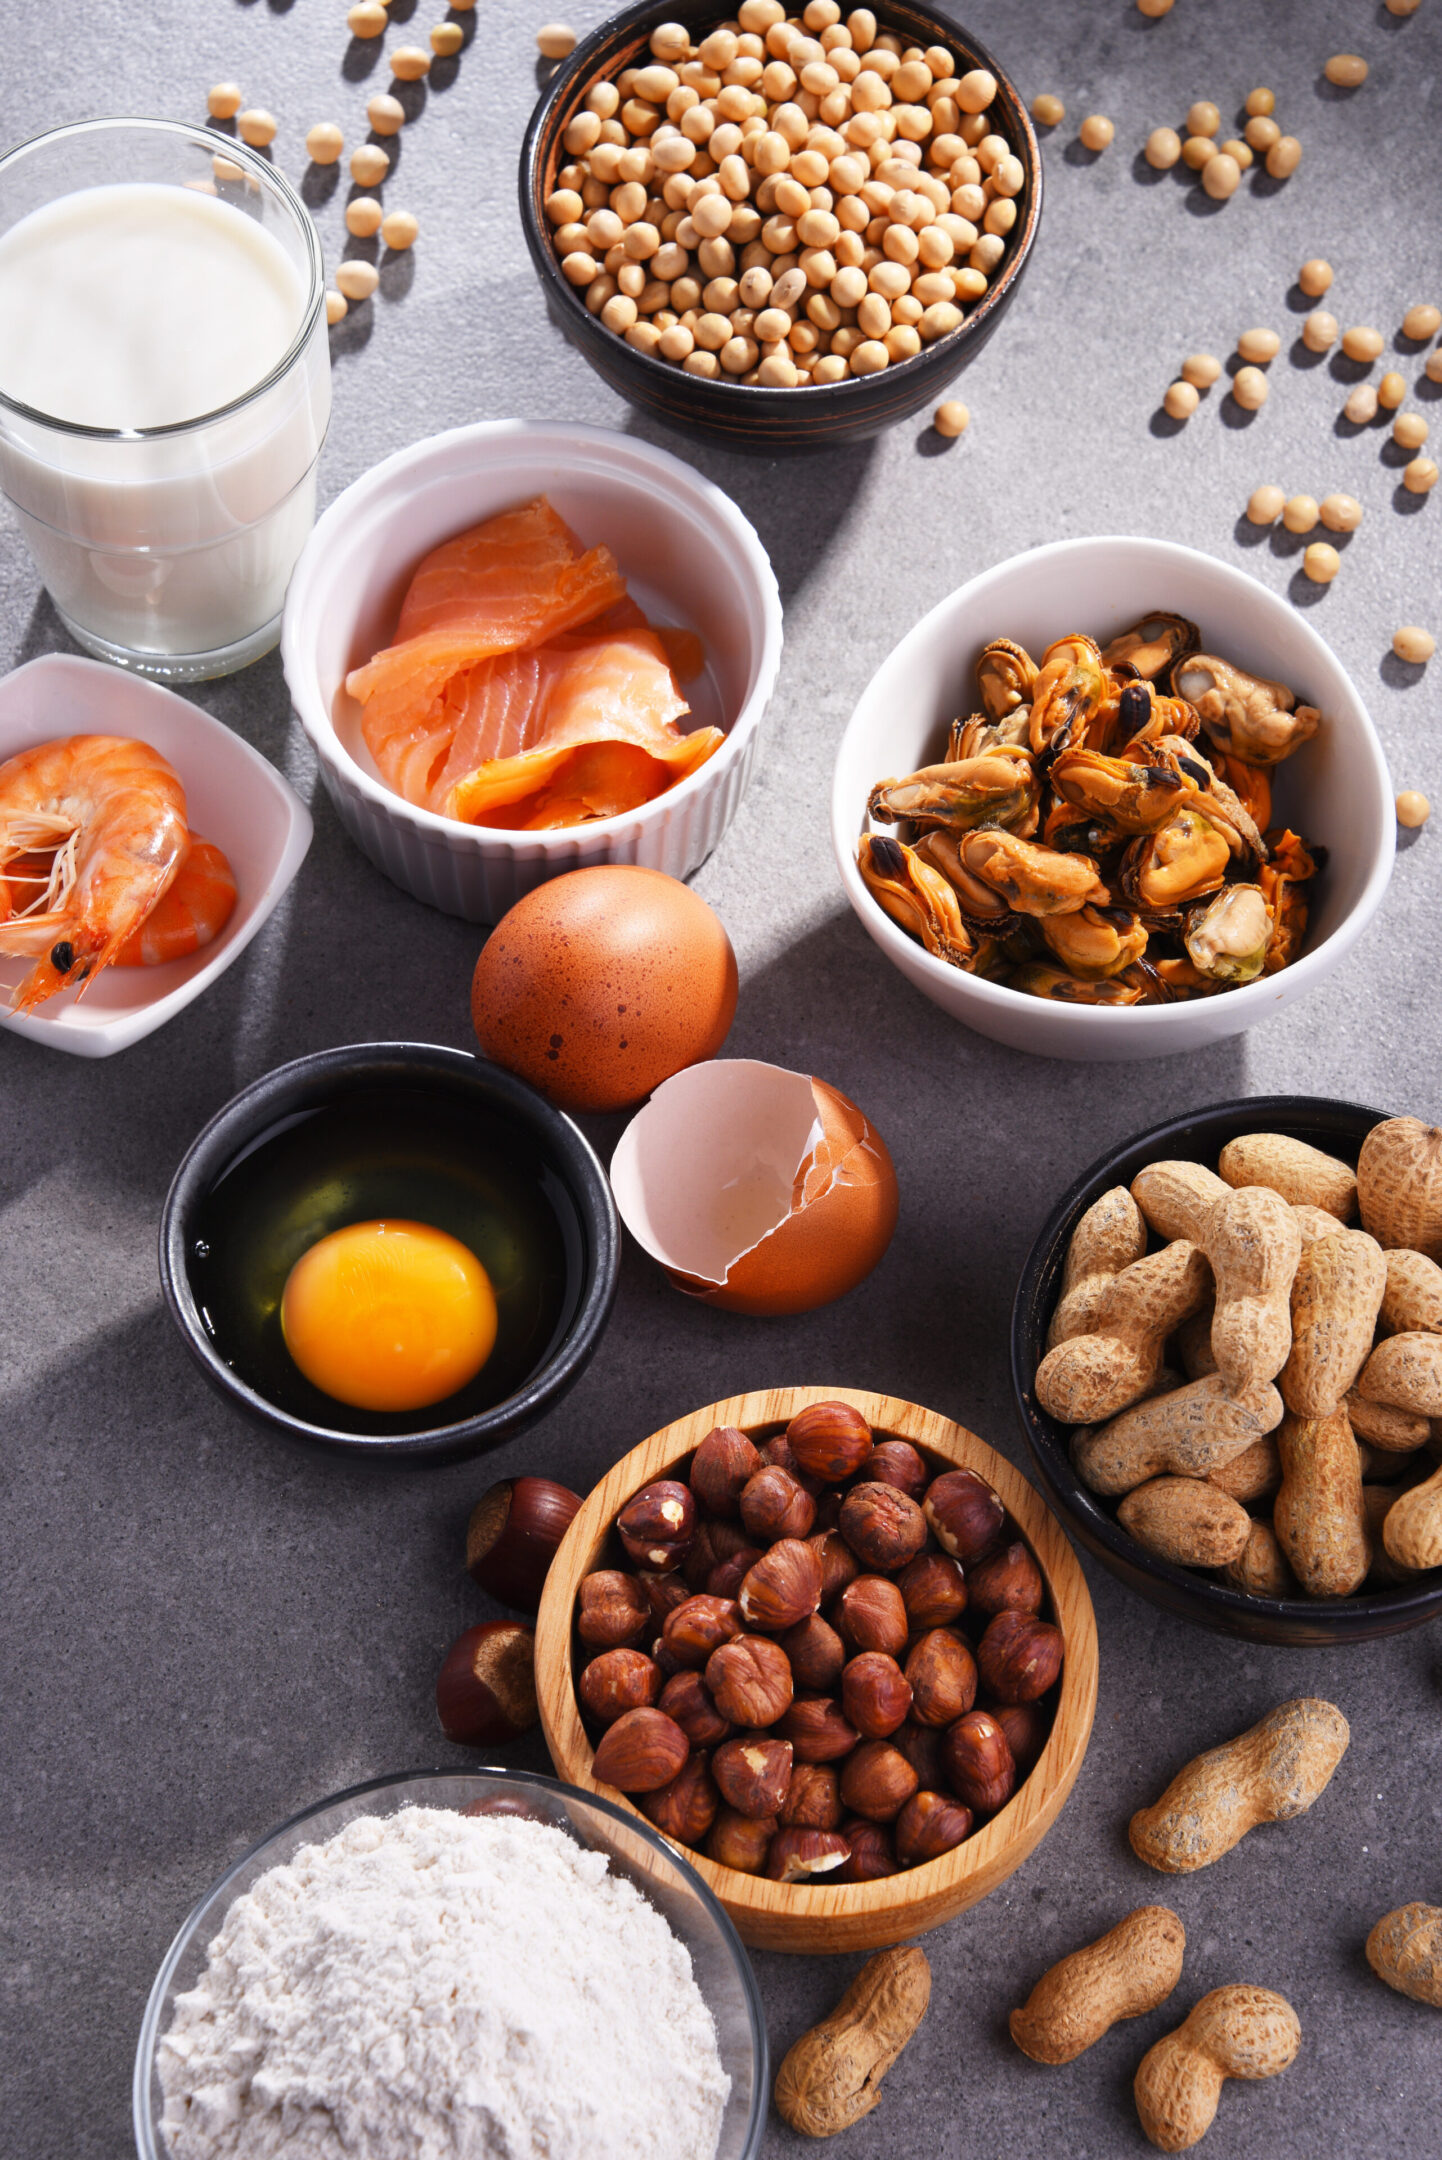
600,984
759,1190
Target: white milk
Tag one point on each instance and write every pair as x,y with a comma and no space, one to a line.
140,306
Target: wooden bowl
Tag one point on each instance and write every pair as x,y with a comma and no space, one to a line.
811,1918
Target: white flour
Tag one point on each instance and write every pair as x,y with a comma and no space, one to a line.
433,1986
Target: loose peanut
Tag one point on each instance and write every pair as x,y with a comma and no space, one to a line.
1260,1569
832,2076
1093,1376
1124,1974
1187,1520
1336,1297
1399,1185
1412,1299
1109,1237
1412,1531
1302,1174
1189,1432
1254,1244
1405,1373
1176,1197
1405,1950
1253,1475
1235,2032
1318,1513
1397,1432
1270,1773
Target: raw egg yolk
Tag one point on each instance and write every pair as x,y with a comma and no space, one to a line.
388,1315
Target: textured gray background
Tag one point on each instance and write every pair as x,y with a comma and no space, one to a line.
203,1631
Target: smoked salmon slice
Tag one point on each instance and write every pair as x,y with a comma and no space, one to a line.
525,688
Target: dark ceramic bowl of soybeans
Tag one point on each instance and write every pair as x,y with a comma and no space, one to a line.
748,416
401,1133
1339,1128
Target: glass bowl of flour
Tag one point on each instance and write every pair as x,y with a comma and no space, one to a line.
454,1965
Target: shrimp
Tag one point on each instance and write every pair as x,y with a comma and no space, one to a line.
189,914
113,813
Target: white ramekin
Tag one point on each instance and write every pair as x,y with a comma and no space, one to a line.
1336,790
691,559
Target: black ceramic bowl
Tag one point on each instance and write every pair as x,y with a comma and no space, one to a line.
535,1147
1340,1129
747,416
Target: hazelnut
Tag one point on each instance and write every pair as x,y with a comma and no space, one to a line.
686,1808
839,1564
778,1452
700,1626
1019,1657
726,1578
750,1680
966,1517
486,1690
930,1824
1008,1581
921,1745
876,1778
641,1752
740,1841
941,1672
979,1765
774,1506
512,1537
830,1440
663,1593
798,1855
871,1615
896,1462
658,1523
813,1798
688,1700
720,1468
933,1590
611,1609
872,1853
782,1588
883,1526
816,1653
875,1694
1026,1727
817,1730
753,1772
617,1681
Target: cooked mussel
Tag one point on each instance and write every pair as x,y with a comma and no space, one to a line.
1246,715
1251,784
1000,786
1006,677
1153,645
1034,880
1190,856
982,908
1069,692
915,896
1227,937
1134,798
1039,980
1282,879
1220,802
976,735
1096,942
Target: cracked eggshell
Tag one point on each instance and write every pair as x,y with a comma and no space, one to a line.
599,985
759,1190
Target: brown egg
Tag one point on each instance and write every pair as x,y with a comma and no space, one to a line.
759,1190
599,985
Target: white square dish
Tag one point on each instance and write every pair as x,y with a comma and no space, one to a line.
233,797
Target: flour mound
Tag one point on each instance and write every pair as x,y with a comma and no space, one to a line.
433,1986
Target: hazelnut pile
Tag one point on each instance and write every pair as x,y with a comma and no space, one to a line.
825,1659
791,200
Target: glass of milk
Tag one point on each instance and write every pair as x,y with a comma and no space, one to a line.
164,387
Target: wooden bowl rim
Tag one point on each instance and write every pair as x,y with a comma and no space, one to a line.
1052,1776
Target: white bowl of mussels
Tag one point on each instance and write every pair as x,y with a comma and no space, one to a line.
1090,831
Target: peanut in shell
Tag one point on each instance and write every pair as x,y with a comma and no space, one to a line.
1398,1432
1235,2032
1405,1373
1185,1520
1123,1974
1318,1514
1405,1950
1108,1238
1188,1433
1176,1197
1260,1569
1412,1300
832,2076
1270,1773
1336,1296
1093,1376
1412,1527
1303,1175
1253,1475
1253,1242
1399,1185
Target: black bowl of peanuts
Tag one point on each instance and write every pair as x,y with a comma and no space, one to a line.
787,228
1223,1344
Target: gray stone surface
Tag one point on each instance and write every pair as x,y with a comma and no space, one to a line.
203,1631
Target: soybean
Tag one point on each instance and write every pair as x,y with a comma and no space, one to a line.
367,19
1414,645
1261,104
1391,390
357,280
1421,322
1361,342
1047,111
1341,513
324,143
363,217
1314,277
1346,70
1265,505
1321,562
369,165
399,230
951,419
1201,369
336,308
1284,157
410,62
1413,808
1095,132
1361,405
1249,388
386,114
1203,118
257,127
1300,514
224,101
1420,477
1163,148
1319,331
555,40
1259,345
1181,400
447,39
